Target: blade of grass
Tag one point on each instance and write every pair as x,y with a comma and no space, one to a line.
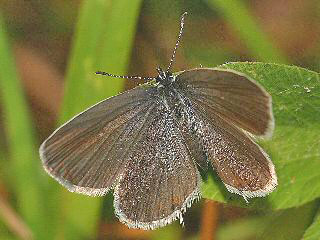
238,16
24,160
103,41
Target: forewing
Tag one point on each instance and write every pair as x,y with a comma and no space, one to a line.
232,96
87,154
161,179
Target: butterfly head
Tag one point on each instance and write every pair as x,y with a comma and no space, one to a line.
164,78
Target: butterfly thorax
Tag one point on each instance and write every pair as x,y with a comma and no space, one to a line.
164,78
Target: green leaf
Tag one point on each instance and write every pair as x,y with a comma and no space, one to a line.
102,41
313,232
294,147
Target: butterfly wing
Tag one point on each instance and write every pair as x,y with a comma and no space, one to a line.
232,96
87,154
241,164
161,179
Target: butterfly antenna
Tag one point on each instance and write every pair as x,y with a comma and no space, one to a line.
125,77
178,41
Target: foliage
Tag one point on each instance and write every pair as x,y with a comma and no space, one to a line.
51,212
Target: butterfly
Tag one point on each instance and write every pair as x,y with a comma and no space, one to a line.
148,143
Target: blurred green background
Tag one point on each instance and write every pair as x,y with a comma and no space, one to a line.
49,52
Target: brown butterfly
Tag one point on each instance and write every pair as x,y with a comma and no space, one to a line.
147,143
